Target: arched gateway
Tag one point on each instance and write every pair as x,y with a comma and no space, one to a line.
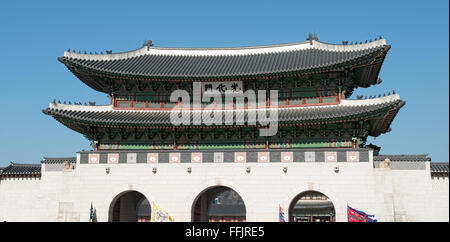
311,206
218,204
130,206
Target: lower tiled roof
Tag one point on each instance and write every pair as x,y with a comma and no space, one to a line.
22,169
394,158
439,167
106,115
55,160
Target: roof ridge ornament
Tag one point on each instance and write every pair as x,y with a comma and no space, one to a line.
312,37
148,44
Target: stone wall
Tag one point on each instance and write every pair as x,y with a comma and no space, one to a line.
389,194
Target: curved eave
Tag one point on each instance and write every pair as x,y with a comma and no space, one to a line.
379,111
228,64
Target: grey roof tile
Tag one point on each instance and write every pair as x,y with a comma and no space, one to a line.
439,167
22,169
403,158
53,160
161,64
147,118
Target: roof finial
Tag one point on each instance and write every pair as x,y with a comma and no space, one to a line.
312,37
147,43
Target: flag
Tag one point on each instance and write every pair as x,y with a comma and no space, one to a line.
281,214
94,217
93,214
160,215
359,216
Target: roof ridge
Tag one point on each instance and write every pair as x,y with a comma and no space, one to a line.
402,155
59,158
24,164
227,51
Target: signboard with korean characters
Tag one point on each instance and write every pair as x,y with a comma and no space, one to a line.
222,87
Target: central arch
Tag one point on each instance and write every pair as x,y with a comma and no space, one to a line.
218,204
129,206
312,206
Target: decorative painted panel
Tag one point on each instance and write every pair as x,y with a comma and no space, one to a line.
240,157
218,157
174,158
94,158
330,157
113,158
310,156
152,157
196,157
263,157
352,156
287,157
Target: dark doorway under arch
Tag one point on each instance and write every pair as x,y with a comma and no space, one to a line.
311,206
130,206
218,204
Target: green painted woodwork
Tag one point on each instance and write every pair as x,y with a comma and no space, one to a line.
143,146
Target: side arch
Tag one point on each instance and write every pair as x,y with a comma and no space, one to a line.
104,214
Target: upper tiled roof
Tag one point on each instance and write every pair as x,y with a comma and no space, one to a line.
394,158
48,160
106,115
180,63
22,169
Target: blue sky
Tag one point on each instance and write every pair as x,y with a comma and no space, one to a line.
34,33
